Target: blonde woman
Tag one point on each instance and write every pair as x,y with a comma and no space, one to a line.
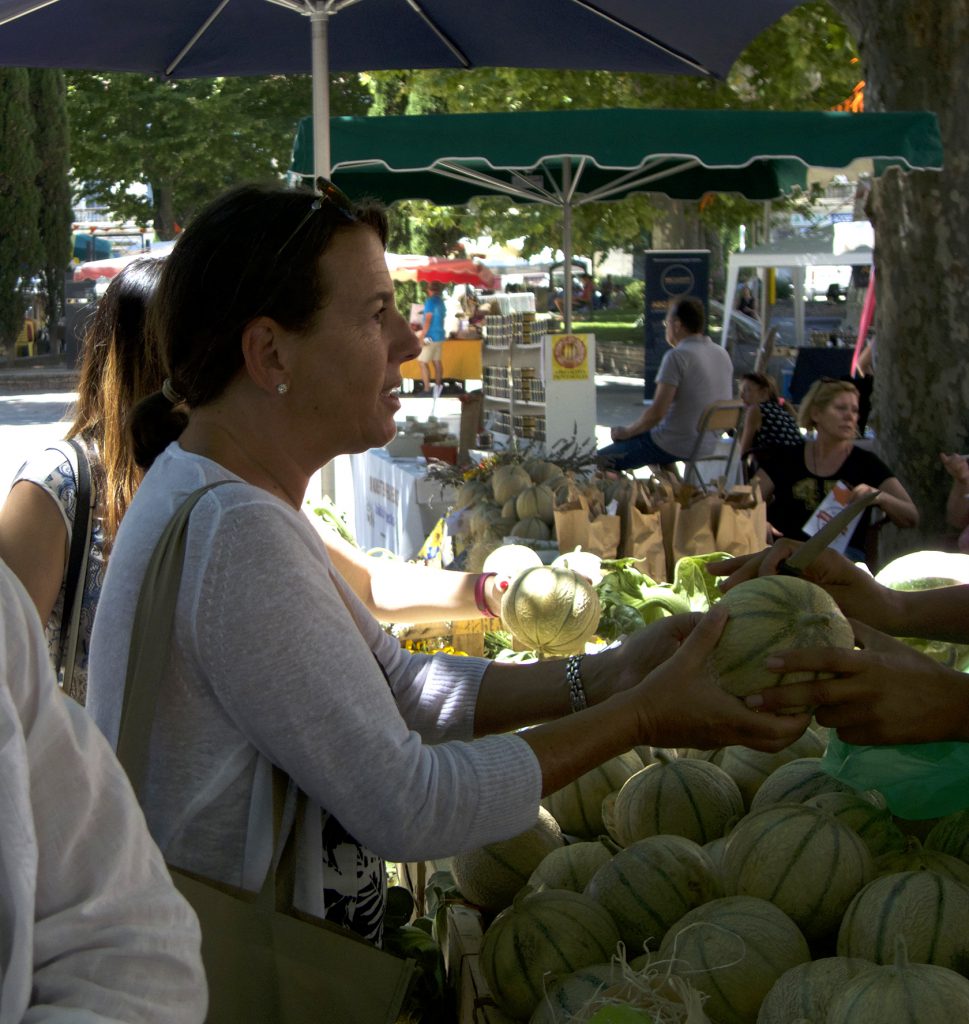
797,479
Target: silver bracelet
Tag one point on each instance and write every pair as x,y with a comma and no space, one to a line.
573,676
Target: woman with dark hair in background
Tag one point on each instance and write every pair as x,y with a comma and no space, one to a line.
273,368
767,423
37,518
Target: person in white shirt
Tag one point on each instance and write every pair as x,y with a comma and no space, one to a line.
92,929
695,373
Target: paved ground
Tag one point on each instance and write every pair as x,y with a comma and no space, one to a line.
31,417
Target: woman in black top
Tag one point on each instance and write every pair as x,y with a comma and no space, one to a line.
796,481
767,423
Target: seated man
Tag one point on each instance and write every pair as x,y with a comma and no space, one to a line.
695,373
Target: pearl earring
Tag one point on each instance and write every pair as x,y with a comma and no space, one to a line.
281,389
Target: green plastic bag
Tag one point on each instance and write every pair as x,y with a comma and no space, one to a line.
918,780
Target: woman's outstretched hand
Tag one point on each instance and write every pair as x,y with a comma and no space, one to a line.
680,704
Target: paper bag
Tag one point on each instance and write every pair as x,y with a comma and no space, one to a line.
641,534
694,530
742,525
576,525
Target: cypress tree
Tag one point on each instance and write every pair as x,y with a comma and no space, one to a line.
19,202
48,96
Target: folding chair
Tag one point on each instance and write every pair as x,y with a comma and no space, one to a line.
717,418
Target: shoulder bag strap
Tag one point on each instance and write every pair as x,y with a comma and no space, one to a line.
77,560
151,636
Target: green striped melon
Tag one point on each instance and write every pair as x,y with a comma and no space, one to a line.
650,885
901,993
734,949
915,857
609,815
577,807
571,866
509,481
803,992
796,782
490,875
768,615
872,822
680,797
553,932
536,500
749,768
565,997
951,835
554,611
800,859
929,911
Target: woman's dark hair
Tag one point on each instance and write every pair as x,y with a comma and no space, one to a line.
761,380
689,312
117,371
252,252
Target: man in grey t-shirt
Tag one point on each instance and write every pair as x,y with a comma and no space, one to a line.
695,373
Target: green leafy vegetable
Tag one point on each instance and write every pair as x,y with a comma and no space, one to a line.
693,582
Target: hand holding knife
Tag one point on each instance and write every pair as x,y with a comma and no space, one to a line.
809,551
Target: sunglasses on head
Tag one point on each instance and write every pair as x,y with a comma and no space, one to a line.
327,193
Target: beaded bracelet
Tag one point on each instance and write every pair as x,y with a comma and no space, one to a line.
479,594
573,676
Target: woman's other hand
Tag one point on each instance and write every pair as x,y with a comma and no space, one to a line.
680,703
855,591
885,693
957,466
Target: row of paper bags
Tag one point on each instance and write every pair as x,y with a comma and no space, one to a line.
659,520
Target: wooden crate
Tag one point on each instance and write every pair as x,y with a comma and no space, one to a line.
463,634
461,948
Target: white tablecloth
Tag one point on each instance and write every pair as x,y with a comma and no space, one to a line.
395,507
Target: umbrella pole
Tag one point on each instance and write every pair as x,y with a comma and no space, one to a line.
567,241
320,20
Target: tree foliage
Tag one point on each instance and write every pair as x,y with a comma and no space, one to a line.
51,143
186,141
805,61
19,200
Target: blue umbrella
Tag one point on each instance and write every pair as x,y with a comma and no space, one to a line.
196,38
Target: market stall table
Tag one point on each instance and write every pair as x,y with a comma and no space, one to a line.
461,358
395,505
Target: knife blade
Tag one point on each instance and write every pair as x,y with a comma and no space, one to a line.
810,549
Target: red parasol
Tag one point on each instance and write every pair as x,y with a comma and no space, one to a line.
458,272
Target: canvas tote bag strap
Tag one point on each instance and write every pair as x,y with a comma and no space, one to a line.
151,635
77,560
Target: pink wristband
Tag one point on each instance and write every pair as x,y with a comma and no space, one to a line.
479,594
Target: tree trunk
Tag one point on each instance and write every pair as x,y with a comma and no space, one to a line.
914,57
164,212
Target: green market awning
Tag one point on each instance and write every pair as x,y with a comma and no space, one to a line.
573,157
450,158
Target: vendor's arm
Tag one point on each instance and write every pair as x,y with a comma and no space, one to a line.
33,543
941,614
651,416
885,693
957,504
398,591
893,500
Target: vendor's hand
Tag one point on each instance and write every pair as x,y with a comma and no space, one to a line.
957,466
855,591
885,693
681,705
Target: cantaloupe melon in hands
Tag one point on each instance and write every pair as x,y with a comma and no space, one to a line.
769,615
553,611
